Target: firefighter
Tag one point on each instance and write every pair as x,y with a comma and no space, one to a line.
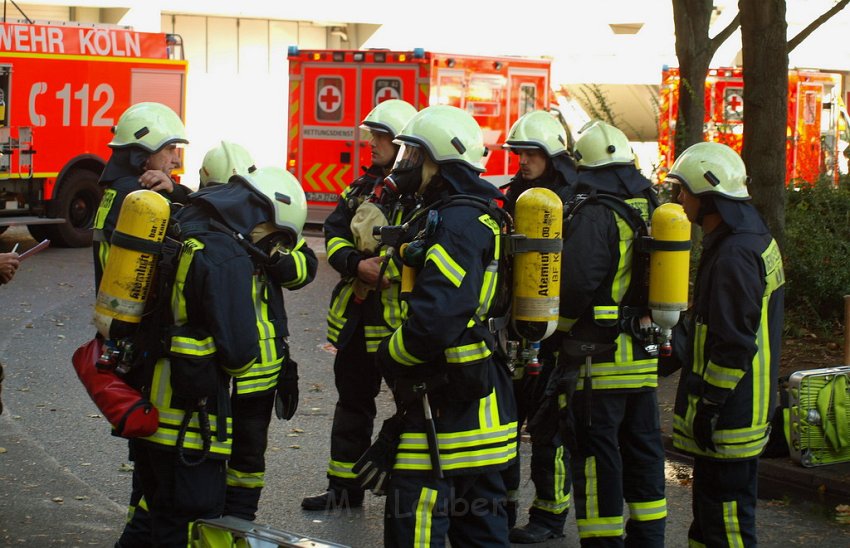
144,153
360,315
283,261
545,160
458,414
222,162
540,141
616,450
728,384
211,336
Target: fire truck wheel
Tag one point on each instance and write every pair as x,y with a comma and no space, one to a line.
79,197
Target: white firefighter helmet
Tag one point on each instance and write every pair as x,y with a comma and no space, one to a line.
538,129
150,126
711,169
223,162
389,116
447,133
600,145
283,192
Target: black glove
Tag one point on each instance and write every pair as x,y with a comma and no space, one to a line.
705,420
286,398
375,466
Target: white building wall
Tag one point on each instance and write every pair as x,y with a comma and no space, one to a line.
237,85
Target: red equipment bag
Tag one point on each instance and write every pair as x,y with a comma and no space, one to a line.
129,413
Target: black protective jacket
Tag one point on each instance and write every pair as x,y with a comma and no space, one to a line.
121,177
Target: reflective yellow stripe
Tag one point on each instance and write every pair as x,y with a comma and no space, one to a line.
250,480
300,266
192,347
731,525
488,289
605,312
341,469
459,450
648,510
103,209
467,353
178,302
399,353
559,478
444,262
600,527
562,498
424,513
592,524
722,377
377,331
591,495
395,310
623,275
737,443
336,312
170,419
335,244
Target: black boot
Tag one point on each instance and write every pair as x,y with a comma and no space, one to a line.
532,533
332,499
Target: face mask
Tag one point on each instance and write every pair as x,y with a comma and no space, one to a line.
406,175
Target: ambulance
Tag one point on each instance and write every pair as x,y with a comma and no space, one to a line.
62,88
331,91
818,126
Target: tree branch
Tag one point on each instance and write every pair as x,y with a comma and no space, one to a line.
733,25
813,26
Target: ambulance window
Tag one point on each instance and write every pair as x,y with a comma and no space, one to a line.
485,95
386,88
527,98
449,90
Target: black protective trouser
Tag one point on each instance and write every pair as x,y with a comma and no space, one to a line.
137,530
177,494
618,456
246,470
358,382
550,471
469,510
724,503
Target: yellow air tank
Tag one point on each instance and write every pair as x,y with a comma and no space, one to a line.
537,263
669,265
130,268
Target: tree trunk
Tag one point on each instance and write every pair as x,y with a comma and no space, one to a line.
765,67
694,51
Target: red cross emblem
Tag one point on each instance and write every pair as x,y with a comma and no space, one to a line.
386,93
329,99
734,104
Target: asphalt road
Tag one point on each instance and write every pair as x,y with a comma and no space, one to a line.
65,481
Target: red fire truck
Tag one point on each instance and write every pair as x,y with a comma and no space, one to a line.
331,91
818,129
62,88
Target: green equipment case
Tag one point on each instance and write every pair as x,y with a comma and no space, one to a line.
819,416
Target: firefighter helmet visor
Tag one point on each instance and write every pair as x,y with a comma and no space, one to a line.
410,156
